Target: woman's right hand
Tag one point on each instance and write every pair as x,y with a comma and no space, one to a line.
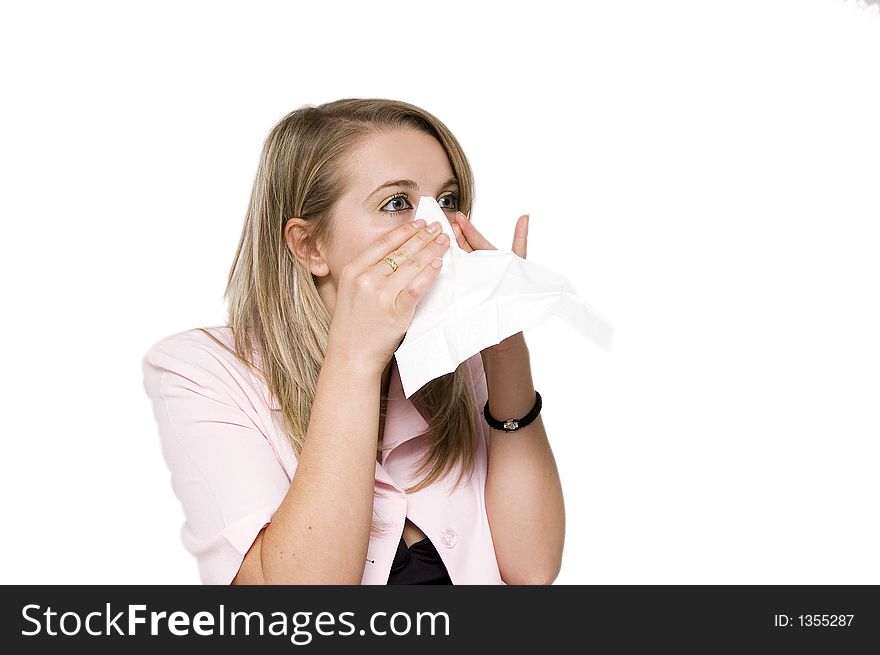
374,303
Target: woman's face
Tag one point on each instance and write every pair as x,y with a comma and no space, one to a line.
411,164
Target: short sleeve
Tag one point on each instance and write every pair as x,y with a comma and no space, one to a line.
224,469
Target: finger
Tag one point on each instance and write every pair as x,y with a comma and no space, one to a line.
409,267
520,236
386,243
476,240
407,250
413,279
460,240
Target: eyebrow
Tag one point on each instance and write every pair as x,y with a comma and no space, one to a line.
409,184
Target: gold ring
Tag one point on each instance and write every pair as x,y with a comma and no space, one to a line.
391,263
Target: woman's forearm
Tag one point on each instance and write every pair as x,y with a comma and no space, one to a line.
524,499
321,531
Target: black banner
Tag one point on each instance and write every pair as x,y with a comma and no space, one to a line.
839,619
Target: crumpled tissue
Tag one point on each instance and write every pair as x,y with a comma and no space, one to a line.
480,298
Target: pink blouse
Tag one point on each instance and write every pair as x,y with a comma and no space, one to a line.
231,464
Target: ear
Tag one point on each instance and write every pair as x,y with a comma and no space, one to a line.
299,242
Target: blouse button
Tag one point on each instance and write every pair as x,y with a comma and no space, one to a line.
448,537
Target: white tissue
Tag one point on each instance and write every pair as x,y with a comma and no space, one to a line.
479,299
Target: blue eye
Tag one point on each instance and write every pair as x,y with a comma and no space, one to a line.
399,196
453,196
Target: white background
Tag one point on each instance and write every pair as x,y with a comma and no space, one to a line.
705,173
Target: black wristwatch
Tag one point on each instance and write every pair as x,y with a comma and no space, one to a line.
513,424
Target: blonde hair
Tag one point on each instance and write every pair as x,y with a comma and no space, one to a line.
274,306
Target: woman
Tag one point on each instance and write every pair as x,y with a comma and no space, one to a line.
292,448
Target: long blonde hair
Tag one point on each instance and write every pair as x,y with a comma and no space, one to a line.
274,306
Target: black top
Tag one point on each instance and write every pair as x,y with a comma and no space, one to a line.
418,564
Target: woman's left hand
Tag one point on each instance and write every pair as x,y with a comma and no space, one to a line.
469,239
